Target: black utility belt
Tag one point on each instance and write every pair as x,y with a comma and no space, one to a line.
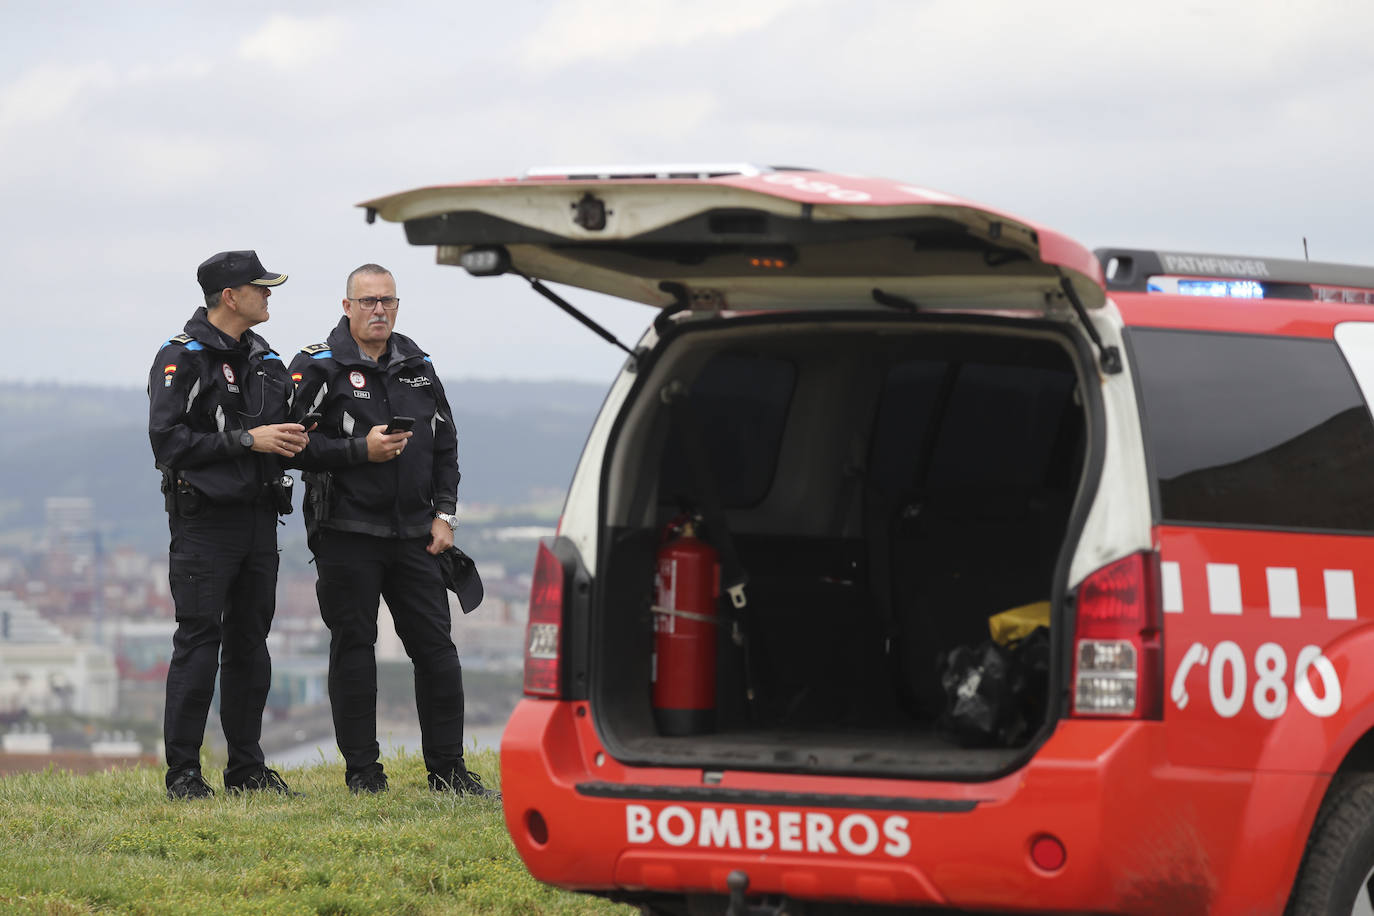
382,531
188,501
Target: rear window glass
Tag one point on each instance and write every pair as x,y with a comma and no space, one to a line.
1249,430
740,401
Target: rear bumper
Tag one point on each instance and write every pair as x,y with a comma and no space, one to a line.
1140,836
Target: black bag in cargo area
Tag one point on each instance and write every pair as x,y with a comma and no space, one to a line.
993,693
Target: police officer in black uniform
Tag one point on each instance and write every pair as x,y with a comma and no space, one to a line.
379,509
218,418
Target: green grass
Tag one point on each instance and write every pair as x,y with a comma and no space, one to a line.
113,843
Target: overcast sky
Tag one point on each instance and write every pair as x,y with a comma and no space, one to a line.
138,138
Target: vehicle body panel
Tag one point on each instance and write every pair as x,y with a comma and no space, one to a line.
1096,785
1229,316
1241,609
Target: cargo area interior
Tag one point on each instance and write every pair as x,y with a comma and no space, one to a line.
888,486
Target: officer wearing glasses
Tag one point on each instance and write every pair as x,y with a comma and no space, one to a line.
381,492
218,421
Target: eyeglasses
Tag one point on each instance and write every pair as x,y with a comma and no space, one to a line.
390,303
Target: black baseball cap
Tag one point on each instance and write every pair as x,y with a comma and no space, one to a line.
461,577
234,268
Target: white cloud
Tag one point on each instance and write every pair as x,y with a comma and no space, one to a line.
888,63
164,162
174,70
1228,125
643,124
613,30
294,43
48,92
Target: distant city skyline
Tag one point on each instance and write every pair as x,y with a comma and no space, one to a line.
87,632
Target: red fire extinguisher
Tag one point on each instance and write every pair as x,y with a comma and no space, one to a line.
686,586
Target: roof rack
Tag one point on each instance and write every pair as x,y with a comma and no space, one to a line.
1139,270
648,170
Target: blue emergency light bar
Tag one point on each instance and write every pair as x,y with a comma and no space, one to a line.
1231,289
1234,276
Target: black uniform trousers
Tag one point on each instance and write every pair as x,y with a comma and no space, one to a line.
223,574
354,571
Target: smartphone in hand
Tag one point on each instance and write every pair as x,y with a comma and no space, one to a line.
311,419
399,425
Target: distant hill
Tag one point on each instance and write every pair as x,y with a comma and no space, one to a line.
517,441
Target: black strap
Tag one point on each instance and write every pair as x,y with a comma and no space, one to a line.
733,578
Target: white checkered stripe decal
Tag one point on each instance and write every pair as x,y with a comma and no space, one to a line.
1224,592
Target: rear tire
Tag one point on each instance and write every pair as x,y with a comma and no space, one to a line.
1337,873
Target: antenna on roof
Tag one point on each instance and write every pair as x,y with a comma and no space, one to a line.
1304,249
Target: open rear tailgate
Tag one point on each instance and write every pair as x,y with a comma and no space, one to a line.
776,239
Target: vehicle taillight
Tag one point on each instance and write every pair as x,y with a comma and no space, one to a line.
543,636
1117,658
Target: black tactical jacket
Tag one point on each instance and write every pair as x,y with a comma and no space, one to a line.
204,389
392,498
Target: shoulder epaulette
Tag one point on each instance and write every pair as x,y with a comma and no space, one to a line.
315,348
187,340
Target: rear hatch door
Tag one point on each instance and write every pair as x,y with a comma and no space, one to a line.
751,239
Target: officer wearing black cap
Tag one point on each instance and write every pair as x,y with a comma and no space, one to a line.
380,512
219,401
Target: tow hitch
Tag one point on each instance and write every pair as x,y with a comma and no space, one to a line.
738,883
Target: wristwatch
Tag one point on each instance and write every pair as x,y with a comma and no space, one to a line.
450,520
246,439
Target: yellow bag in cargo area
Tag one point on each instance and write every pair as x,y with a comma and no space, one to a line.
1016,624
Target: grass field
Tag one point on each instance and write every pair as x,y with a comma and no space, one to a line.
113,843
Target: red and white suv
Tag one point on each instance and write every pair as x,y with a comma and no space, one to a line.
867,419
